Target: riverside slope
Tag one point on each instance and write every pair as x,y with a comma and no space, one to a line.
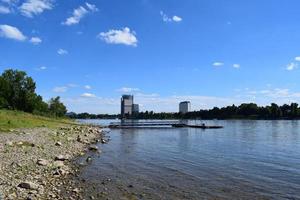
36,163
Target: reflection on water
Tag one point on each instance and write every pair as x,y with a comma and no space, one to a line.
245,160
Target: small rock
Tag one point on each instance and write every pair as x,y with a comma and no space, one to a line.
93,148
12,196
28,186
88,159
58,163
76,190
60,172
9,143
42,162
58,144
61,158
79,139
20,143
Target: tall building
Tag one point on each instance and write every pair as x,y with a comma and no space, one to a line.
126,106
135,108
185,107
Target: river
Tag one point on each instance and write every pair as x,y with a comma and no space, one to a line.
244,160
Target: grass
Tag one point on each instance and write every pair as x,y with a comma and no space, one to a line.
16,119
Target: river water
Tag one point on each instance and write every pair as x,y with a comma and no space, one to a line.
244,160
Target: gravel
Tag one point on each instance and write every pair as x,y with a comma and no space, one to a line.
37,163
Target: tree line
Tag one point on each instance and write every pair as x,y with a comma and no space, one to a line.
91,116
17,92
243,111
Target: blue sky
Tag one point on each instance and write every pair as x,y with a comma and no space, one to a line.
211,52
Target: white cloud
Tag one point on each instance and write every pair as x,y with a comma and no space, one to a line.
11,32
4,10
291,66
236,66
79,13
87,87
35,40
61,89
128,89
218,64
42,68
91,7
297,58
88,95
177,19
124,36
34,7
166,18
62,52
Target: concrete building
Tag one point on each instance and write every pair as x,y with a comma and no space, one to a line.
136,108
185,107
126,106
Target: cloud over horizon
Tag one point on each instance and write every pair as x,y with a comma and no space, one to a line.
166,18
79,13
11,32
124,36
30,8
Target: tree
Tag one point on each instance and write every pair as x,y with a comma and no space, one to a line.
3,91
41,107
275,111
294,109
17,91
57,108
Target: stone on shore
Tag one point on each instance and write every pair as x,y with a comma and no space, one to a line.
58,144
62,157
93,148
42,162
58,164
9,143
28,185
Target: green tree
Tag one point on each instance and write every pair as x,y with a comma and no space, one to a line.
294,109
17,91
57,108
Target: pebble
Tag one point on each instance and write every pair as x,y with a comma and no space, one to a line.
93,148
61,158
58,163
76,190
89,159
58,144
9,143
42,162
28,185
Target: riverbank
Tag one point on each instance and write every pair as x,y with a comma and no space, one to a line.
37,163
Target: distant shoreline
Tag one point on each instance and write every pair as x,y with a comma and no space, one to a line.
227,119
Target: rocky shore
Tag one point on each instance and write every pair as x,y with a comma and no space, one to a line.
38,163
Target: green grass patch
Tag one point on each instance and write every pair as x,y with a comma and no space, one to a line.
17,119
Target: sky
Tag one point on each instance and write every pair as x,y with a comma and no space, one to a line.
210,52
